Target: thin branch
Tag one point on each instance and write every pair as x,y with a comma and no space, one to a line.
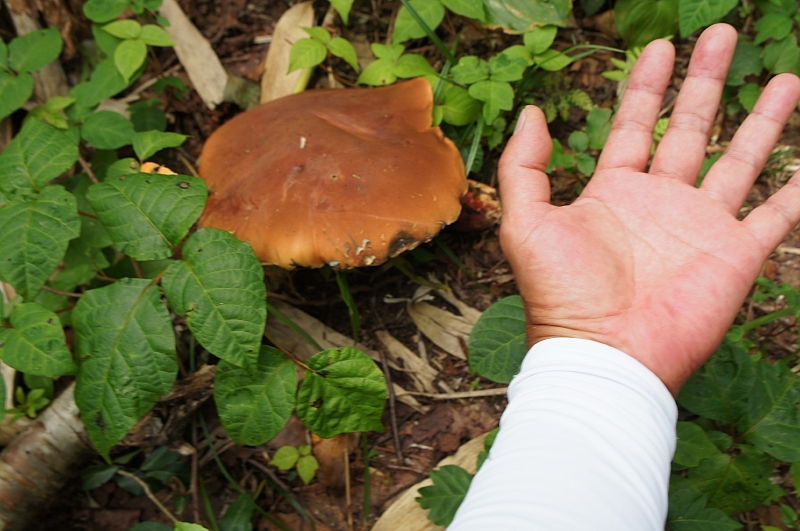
392,410
64,293
149,493
265,469
499,391
87,215
88,170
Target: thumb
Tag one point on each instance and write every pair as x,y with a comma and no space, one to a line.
524,185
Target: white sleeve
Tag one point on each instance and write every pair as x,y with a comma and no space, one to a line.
585,443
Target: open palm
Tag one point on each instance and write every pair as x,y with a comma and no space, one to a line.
647,262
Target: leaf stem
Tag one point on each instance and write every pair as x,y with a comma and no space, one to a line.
476,141
88,170
277,313
429,32
86,214
764,319
64,293
149,493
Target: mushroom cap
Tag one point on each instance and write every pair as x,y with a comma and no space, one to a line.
341,177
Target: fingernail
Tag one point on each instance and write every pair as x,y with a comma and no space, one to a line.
520,121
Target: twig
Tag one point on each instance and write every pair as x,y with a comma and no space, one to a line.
137,269
392,409
265,469
88,170
149,493
347,497
499,391
86,214
788,250
64,293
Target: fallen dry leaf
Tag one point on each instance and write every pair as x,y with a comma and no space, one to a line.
276,83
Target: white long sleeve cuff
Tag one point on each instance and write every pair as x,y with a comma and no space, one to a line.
584,444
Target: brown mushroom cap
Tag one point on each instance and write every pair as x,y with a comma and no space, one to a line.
341,177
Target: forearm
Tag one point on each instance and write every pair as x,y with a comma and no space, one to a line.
585,443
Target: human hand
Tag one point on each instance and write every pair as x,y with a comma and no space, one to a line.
643,260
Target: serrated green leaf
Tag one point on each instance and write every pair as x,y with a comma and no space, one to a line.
319,33
458,107
696,14
782,56
585,163
14,91
467,8
285,458
552,60
748,96
378,73
520,16
129,56
387,51
719,390
746,61
578,140
148,215
34,236
444,497
107,130
497,343
598,126
772,25
255,406
148,143
406,28
693,445
155,36
642,21
496,96
36,345
687,512
307,467
343,8
346,392
239,514
219,286
124,29
540,39
126,347
37,155
104,10
470,69
34,50
306,53
95,476
736,483
342,48
770,421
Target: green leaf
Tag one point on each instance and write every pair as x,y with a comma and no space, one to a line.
782,56
36,345
552,60
342,48
719,390
578,140
124,29
406,28
458,106
219,286
34,236
496,96
770,420
155,36
598,126
412,65
748,95
184,526
387,51
540,39
107,130
772,25
696,14
129,56
239,514
95,476
106,81
467,8
518,51
104,40
470,69
148,215
693,445
504,68
35,50
307,467
147,115
344,392
687,512
736,483
377,73
444,497
343,8
38,154
255,406
14,91
497,343
3,55
520,16
285,458
104,10
746,61
642,21
148,143
319,33
306,53
126,347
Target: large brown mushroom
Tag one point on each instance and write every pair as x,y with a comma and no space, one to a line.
340,177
